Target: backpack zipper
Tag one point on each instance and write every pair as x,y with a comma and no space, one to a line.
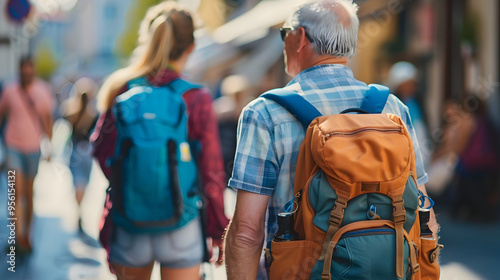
365,232
337,133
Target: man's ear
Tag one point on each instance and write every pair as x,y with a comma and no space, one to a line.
303,40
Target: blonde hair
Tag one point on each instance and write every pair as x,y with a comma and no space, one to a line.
164,34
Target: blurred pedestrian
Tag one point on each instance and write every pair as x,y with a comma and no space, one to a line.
235,91
27,106
470,140
165,42
404,84
81,112
457,127
319,38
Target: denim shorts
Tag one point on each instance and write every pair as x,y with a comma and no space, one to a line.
80,163
181,248
27,163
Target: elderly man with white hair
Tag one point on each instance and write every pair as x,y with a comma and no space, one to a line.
319,38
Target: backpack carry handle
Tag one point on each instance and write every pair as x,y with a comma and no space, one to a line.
354,110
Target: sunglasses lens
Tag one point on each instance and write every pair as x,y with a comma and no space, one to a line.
283,33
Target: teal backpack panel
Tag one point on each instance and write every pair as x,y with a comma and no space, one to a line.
323,197
154,186
363,254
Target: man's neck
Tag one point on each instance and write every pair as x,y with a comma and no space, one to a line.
325,59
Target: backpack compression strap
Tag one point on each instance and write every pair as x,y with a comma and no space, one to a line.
374,102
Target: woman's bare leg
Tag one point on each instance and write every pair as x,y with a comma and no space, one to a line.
133,273
188,273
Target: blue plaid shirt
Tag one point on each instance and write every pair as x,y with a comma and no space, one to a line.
269,137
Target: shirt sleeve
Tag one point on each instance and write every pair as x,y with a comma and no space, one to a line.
203,127
255,165
103,139
422,177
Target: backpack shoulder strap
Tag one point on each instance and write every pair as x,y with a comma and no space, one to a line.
137,82
375,98
179,86
297,105
374,102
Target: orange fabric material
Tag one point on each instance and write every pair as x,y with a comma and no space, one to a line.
320,148
323,148
336,144
429,270
299,258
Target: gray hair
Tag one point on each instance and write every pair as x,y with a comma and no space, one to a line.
331,24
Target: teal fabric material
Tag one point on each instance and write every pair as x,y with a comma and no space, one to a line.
151,117
323,197
369,256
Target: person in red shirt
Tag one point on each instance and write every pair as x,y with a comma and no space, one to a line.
165,42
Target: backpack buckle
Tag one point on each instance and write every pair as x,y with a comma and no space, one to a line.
337,213
326,276
399,211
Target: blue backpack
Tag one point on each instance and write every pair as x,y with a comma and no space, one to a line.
154,187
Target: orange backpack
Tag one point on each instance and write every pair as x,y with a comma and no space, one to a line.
356,202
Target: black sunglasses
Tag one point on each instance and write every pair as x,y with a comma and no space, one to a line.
283,31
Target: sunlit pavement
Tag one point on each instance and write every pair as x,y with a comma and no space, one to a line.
471,250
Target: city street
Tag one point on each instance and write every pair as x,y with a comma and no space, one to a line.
471,250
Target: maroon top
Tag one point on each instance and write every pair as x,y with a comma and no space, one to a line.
202,127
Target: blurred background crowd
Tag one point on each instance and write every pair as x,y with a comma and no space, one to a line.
440,57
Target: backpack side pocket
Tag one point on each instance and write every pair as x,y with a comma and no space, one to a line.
428,259
292,259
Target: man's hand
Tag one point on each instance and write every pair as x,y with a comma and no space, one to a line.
433,224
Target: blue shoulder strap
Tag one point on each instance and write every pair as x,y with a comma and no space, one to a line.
300,108
374,102
179,86
141,81
375,99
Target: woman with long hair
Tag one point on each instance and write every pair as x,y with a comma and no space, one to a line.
165,42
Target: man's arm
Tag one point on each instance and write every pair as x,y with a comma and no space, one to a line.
245,236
